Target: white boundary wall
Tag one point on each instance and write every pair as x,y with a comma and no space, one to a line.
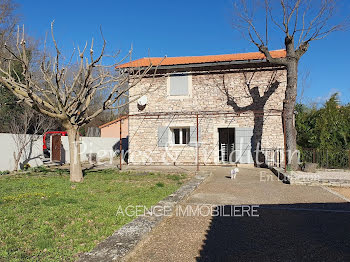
32,154
103,147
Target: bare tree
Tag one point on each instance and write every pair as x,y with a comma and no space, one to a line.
304,85
300,22
64,90
26,129
8,21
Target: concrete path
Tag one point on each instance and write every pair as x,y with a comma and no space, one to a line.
295,223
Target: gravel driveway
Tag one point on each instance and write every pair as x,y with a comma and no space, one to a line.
295,223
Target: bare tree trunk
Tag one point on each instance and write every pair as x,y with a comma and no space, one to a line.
300,21
17,157
288,107
76,173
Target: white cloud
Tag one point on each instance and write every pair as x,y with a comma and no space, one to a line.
323,99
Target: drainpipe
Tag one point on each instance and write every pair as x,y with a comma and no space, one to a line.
285,141
197,146
120,144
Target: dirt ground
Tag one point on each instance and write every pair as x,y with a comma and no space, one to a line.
345,191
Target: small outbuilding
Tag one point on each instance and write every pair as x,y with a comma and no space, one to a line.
115,127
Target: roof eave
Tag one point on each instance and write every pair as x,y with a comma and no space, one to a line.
208,64
113,121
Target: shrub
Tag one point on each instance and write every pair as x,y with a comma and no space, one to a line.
26,166
39,169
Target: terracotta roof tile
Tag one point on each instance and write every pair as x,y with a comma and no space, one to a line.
182,60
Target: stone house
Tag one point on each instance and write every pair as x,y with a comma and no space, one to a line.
235,100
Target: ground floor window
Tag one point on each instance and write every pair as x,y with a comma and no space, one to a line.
181,136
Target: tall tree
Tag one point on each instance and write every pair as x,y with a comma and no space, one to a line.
305,122
8,20
64,90
300,22
332,125
8,105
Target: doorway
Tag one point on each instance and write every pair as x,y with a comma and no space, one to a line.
227,145
56,148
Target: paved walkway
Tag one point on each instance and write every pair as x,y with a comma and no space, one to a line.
295,223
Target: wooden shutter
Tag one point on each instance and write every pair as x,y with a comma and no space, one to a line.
193,135
178,85
243,146
163,136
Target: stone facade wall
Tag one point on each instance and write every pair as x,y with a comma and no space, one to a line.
206,95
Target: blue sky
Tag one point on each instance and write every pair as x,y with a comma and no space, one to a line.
181,28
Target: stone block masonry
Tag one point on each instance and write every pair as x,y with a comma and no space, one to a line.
248,89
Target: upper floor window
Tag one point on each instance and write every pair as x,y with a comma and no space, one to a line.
179,85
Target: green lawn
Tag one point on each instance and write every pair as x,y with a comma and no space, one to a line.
44,217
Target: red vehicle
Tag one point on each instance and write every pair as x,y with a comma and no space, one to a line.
46,141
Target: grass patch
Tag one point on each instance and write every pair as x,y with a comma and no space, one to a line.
160,184
44,217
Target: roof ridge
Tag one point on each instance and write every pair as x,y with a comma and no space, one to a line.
149,57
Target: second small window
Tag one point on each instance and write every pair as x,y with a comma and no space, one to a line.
181,136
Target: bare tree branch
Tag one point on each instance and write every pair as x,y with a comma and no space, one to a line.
66,91
26,129
301,20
